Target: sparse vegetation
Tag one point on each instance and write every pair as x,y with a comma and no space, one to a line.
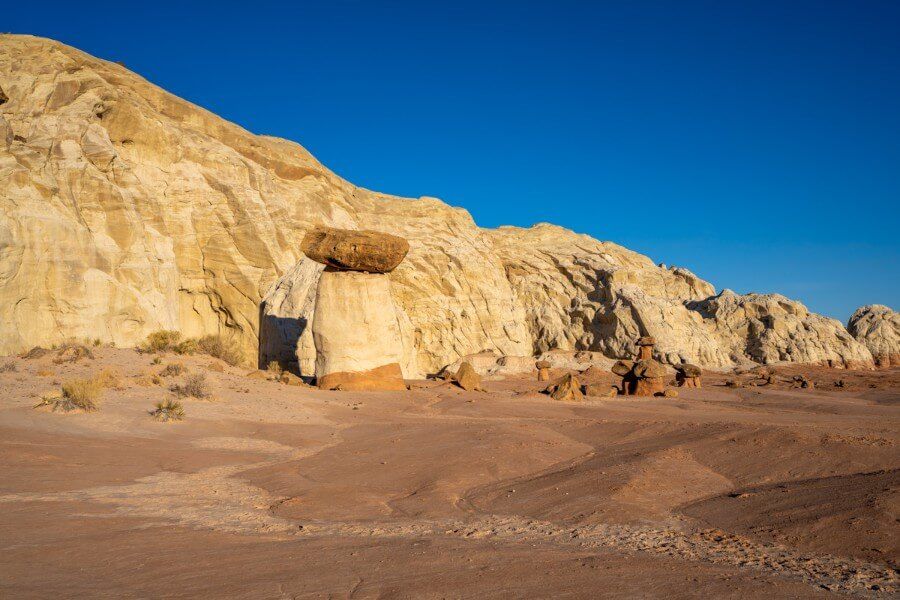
222,348
9,366
161,341
45,373
194,386
275,367
168,410
156,361
109,378
69,352
77,394
36,352
214,345
173,370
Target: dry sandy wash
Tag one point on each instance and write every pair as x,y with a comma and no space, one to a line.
275,491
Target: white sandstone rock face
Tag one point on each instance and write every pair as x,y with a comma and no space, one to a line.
878,327
355,328
125,210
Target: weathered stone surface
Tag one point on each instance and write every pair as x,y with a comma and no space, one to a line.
688,370
647,369
348,250
878,327
566,388
622,367
356,334
598,390
386,378
650,386
467,378
125,210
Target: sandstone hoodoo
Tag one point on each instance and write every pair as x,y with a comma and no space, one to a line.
650,376
345,250
688,375
543,369
355,327
645,347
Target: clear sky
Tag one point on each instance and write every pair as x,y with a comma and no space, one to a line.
756,143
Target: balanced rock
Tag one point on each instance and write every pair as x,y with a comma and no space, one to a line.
565,388
349,250
356,333
645,347
688,375
650,376
623,367
467,378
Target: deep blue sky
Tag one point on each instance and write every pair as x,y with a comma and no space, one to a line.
756,143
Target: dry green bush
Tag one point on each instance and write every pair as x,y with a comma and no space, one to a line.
77,394
194,386
168,410
222,348
9,366
161,341
173,370
275,367
156,361
36,352
109,378
71,351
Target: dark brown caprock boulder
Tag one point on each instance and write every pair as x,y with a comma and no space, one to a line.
687,375
645,347
350,250
543,369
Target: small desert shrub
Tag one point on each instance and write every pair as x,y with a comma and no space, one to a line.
156,361
168,410
45,373
77,394
161,341
194,386
189,346
275,367
221,348
72,352
9,366
36,352
109,378
173,369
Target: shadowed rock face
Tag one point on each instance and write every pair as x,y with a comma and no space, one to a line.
127,210
878,327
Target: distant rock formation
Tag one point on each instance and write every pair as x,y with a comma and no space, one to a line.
878,327
125,210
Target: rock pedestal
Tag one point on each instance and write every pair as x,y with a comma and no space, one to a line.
651,378
645,347
687,375
543,369
355,327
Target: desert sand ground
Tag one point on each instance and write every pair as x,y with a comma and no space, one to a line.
275,491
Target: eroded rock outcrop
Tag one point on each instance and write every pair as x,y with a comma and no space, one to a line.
878,327
125,210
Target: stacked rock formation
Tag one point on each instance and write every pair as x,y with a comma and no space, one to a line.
543,369
688,375
645,376
566,388
355,330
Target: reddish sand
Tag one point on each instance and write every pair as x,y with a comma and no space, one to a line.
276,491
